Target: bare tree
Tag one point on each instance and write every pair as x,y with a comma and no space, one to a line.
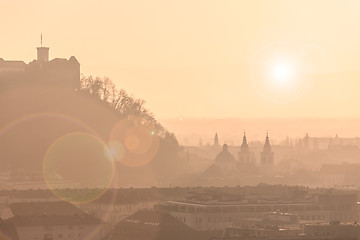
128,106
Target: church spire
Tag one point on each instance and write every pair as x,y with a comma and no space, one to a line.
244,145
267,157
216,140
267,147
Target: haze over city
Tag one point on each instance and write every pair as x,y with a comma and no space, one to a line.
164,119
195,59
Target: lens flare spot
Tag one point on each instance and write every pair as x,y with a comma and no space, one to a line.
138,140
115,151
141,142
132,143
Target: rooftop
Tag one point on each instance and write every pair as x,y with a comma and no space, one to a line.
58,208
52,220
151,225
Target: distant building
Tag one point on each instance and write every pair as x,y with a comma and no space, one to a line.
58,72
245,155
208,216
342,207
267,157
272,219
225,160
318,143
232,233
333,230
335,175
229,171
216,140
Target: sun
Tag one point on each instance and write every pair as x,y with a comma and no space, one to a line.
282,72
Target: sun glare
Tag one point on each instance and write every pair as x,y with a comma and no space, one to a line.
282,72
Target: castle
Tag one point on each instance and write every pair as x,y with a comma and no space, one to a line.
58,72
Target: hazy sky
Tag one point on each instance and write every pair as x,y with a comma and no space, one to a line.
207,58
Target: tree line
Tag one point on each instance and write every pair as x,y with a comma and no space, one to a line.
125,105
120,101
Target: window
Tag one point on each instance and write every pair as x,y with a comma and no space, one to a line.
47,236
47,228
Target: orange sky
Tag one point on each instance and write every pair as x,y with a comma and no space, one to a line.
197,58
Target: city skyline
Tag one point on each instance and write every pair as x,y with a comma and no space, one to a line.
179,119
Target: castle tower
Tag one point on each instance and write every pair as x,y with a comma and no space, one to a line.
245,155
267,157
42,53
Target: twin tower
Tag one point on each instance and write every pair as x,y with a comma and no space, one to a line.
245,156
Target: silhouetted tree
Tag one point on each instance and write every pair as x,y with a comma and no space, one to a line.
127,106
167,162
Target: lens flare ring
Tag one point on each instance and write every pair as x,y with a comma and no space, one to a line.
77,159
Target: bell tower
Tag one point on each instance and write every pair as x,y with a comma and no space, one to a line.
42,52
267,157
245,155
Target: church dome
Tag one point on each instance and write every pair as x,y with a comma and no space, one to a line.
224,156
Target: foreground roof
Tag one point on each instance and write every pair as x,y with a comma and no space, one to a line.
153,225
